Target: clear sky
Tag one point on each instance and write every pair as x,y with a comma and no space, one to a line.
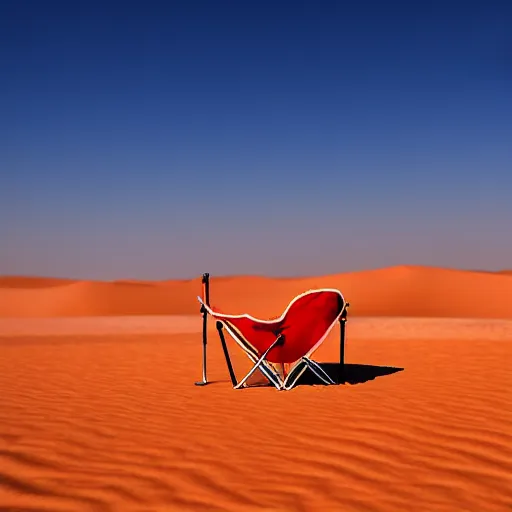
165,139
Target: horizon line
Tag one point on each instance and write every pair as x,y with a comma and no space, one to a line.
259,276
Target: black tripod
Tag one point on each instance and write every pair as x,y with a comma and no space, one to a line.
206,299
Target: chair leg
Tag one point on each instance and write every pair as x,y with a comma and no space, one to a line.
343,322
294,374
271,376
297,371
259,362
318,371
226,353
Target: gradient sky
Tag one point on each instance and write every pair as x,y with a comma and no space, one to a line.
164,139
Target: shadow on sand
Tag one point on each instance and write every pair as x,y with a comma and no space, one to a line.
353,373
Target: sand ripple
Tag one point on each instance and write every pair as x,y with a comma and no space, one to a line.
104,422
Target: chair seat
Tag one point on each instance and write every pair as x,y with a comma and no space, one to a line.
304,324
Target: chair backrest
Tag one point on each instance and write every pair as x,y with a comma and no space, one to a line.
305,323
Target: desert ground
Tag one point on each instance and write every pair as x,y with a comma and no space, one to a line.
99,412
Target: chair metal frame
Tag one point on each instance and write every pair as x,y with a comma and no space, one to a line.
259,360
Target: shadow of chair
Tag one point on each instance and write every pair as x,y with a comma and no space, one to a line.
353,373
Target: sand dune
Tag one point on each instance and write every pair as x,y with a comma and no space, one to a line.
396,291
83,298
94,421
32,282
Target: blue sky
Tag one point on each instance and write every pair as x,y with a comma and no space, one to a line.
164,139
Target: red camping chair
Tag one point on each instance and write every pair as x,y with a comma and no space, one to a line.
290,339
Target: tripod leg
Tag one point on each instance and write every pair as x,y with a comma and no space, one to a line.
206,297
205,326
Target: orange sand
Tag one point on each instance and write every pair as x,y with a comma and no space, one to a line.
102,414
396,291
